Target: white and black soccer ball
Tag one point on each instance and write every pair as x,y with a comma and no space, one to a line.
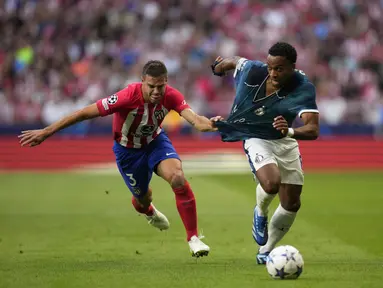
285,262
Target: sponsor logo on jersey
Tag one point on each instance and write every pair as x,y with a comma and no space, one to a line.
147,130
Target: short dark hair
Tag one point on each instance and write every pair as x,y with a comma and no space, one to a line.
285,50
154,68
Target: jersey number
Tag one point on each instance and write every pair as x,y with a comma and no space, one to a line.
132,181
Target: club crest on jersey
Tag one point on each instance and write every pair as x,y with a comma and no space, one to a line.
159,114
112,99
260,111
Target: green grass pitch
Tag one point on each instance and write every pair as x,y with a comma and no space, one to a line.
77,230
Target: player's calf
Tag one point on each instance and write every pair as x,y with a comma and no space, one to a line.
171,171
186,206
143,207
143,204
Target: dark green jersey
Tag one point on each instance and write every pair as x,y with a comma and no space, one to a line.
253,112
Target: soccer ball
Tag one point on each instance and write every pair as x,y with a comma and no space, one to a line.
285,262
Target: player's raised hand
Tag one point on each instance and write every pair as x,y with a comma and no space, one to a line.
218,60
32,137
281,124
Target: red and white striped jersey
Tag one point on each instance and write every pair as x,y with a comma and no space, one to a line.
136,123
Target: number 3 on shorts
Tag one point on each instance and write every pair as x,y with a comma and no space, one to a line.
132,181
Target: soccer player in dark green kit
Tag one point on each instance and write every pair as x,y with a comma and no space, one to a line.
269,96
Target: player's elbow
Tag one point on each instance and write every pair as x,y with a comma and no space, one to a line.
315,133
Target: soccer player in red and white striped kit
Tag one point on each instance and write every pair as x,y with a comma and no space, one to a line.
141,146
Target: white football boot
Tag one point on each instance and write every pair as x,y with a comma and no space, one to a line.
197,247
158,220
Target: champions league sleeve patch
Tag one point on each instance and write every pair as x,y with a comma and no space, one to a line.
112,99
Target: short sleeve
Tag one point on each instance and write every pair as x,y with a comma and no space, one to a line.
176,101
244,66
305,100
115,102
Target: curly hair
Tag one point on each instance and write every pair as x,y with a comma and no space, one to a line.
285,50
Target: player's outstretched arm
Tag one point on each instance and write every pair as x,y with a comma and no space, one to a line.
35,137
201,123
223,65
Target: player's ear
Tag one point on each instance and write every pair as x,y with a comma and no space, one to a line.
142,78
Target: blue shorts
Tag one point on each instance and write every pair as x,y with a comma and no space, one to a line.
137,165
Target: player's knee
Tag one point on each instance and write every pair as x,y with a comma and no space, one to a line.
177,178
271,186
292,206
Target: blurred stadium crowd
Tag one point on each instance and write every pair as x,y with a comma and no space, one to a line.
59,55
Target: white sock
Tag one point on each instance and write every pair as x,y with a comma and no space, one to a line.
280,224
263,201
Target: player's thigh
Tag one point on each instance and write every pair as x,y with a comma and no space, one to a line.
263,164
290,196
290,167
164,160
134,169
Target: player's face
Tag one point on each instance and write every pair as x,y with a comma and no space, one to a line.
280,70
153,88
